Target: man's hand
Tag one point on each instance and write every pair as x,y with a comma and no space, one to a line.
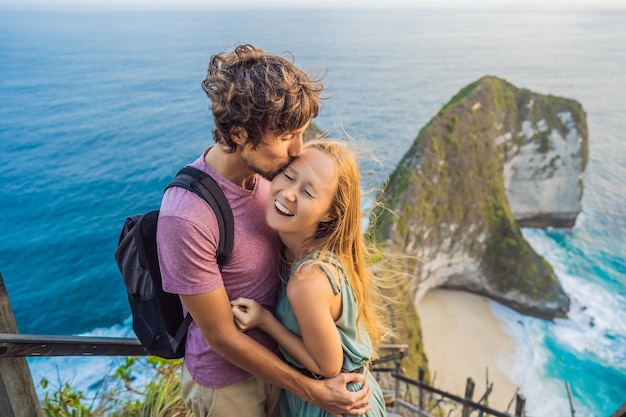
331,395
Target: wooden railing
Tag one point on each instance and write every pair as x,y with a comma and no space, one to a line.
413,397
22,345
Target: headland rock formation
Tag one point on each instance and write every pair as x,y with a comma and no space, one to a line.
496,157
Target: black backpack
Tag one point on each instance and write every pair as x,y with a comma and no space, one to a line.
158,318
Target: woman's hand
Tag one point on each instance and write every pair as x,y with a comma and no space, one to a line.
248,313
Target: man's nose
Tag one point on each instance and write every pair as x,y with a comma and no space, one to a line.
295,149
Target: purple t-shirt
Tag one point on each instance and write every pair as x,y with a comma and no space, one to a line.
187,238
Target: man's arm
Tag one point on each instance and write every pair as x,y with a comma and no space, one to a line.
212,313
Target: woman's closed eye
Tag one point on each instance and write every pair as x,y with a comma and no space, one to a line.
309,193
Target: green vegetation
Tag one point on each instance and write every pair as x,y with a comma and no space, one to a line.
161,397
512,264
464,92
399,306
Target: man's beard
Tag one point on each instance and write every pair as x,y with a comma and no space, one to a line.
269,175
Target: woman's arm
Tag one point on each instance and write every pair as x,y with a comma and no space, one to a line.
250,314
316,307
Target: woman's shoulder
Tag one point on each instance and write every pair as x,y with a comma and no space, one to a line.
325,269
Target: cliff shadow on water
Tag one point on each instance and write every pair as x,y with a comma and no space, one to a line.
495,157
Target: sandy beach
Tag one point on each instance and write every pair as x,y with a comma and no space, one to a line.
463,339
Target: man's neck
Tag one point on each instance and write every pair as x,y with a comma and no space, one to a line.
230,166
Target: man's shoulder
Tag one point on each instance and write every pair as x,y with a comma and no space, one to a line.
184,204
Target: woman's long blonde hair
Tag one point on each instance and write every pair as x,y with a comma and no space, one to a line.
343,235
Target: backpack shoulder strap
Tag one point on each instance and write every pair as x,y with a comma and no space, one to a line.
204,185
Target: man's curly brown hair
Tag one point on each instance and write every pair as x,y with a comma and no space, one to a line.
260,92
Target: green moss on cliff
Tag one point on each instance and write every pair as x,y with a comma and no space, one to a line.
463,93
511,262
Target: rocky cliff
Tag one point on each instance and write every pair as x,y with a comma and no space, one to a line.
545,154
494,158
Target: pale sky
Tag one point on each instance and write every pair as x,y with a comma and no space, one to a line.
309,4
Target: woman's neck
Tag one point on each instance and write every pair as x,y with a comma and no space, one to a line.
294,247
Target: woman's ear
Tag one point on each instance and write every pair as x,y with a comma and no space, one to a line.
238,135
329,216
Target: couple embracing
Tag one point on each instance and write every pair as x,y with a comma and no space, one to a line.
287,327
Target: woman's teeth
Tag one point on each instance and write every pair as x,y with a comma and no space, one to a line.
281,208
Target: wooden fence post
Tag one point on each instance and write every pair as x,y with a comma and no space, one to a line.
398,369
421,374
469,393
569,397
520,403
17,391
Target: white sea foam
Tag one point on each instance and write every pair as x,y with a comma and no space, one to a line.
596,324
595,330
545,396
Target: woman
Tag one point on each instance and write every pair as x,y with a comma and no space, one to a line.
325,322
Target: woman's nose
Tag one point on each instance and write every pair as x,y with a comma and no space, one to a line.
290,193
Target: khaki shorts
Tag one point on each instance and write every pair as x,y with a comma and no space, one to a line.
251,398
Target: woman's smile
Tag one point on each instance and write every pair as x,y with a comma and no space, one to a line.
282,209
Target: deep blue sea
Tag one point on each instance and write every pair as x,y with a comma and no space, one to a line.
99,110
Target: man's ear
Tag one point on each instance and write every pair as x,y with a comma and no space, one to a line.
238,135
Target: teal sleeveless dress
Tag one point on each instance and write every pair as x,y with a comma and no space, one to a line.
356,351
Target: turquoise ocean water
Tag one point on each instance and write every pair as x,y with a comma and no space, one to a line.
99,110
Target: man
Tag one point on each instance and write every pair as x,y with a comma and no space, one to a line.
261,105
